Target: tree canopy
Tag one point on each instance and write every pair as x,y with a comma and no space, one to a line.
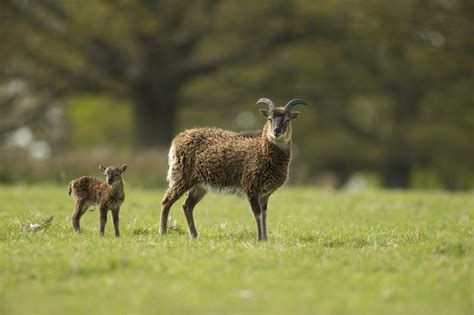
389,83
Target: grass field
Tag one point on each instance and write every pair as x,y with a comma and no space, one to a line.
328,253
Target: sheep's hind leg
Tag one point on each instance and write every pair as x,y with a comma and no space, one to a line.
172,194
79,209
195,195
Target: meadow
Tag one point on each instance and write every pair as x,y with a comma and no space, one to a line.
373,252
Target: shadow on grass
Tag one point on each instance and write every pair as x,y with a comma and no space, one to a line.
141,231
346,243
453,249
146,231
232,235
111,265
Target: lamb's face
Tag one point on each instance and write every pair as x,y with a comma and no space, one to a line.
113,174
279,120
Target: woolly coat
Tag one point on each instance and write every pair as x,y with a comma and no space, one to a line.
244,163
97,191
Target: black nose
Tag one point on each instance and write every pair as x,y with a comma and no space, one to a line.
277,131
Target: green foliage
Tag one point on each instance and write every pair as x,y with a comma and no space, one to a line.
332,253
147,169
99,121
387,86
389,83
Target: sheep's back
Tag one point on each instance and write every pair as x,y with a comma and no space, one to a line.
85,187
217,157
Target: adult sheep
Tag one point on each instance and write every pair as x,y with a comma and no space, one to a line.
251,164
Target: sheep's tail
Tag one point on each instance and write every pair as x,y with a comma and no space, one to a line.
171,163
70,188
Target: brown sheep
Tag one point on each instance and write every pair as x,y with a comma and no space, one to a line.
108,194
251,164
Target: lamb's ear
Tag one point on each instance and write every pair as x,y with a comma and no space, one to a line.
293,115
265,113
123,168
102,169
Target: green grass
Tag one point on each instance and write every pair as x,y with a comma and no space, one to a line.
328,253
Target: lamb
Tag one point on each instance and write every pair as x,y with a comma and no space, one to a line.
108,194
251,164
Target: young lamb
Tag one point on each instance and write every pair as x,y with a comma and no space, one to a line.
108,194
251,164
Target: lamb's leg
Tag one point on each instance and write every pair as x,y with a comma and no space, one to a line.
115,216
79,209
195,195
172,194
264,203
103,218
257,213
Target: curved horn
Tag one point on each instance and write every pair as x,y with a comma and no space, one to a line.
268,102
294,102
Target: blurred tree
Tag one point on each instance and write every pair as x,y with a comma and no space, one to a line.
390,83
112,127
387,84
143,50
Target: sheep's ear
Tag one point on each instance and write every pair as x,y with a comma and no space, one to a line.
265,113
293,115
102,169
123,168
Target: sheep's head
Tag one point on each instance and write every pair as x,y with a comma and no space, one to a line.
279,119
113,174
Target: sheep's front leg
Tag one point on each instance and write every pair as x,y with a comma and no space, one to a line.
115,216
263,204
257,213
103,219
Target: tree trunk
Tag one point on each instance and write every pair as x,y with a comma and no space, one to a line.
399,153
396,174
398,163
155,112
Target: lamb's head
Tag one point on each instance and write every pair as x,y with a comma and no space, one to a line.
278,128
113,174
